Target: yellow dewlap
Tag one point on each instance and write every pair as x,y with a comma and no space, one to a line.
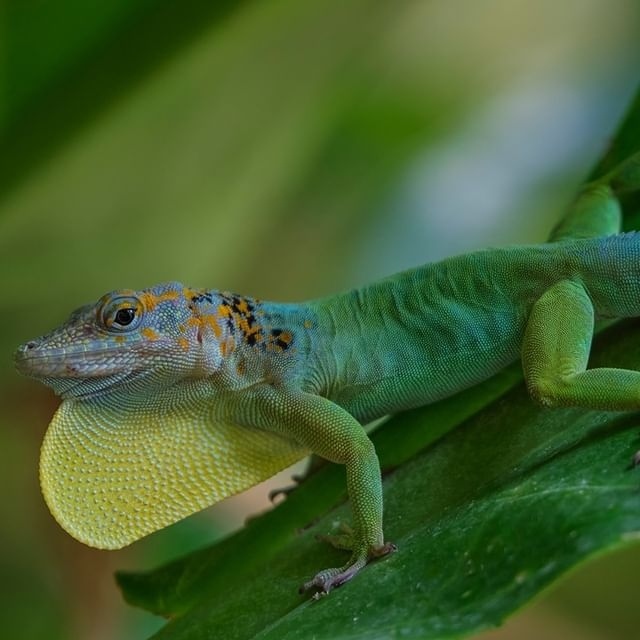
111,475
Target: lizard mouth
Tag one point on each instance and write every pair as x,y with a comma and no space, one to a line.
59,362
75,374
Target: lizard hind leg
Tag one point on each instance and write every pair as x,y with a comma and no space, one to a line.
555,351
625,177
596,211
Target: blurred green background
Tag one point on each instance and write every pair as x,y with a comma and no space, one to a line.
286,150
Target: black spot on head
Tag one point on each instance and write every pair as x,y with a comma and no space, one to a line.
282,343
251,339
251,320
202,296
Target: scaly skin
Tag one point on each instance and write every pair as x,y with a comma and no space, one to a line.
175,398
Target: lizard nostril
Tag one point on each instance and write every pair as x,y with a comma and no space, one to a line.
29,345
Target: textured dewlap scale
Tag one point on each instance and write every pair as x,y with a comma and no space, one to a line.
113,474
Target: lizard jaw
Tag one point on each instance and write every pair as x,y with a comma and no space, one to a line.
63,362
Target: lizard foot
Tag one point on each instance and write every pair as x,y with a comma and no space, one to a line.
326,580
635,462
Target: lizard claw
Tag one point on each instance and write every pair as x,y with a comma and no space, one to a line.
328,579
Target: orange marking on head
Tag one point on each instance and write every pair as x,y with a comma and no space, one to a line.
246,328
151,300
183,343
285,336
211,321
148,300
243,325
188,292
308,324
242,306
224,311
208,320
197,323
149,333
227,347
120,339
241,367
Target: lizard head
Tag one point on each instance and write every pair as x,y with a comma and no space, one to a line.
135,339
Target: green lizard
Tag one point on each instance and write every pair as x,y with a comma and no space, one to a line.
174,398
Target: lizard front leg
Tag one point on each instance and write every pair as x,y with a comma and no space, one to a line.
331,432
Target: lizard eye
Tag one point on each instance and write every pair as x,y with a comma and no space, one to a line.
121,314
125,316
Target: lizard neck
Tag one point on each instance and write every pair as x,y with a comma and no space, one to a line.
258,341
